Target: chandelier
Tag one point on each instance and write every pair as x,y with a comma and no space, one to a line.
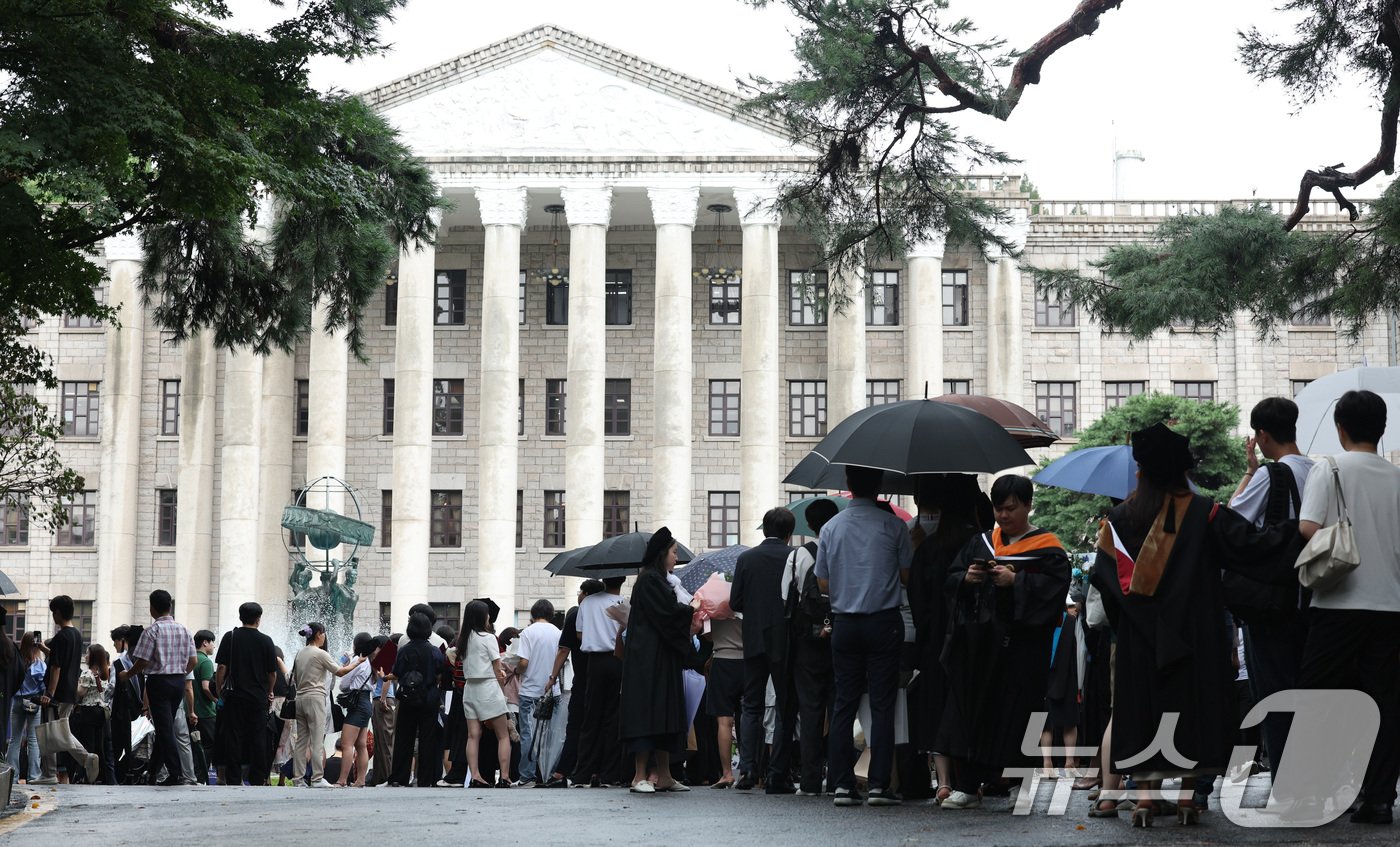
714,270
553,274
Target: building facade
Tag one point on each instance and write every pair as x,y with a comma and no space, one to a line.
537,380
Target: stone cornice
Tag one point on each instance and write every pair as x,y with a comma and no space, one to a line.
595,53
674,205
502,206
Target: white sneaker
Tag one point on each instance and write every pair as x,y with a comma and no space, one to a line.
525,783
961,800
321,783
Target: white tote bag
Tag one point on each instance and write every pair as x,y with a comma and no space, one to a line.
1331,553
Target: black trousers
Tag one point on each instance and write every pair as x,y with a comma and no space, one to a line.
165,691
417,723
568,754
1360,649
1273,651
121,746
865,658
599,750
757,671
243,740
812,677
89,725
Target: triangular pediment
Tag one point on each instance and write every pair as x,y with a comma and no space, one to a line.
551,93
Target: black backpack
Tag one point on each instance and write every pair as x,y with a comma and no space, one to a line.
1280,598
413,685
807,607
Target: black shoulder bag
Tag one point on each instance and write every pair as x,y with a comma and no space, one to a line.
1275,601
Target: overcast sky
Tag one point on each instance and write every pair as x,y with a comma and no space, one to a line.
1161,77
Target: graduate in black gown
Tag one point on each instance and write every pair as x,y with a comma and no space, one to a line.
1158,569
1006,591
949,516
658,647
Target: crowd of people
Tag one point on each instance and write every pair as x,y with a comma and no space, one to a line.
881,662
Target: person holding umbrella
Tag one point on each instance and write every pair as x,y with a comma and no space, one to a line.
653,718
1007,590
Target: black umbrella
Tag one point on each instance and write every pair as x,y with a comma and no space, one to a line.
621,551
566,564
921,437
817,474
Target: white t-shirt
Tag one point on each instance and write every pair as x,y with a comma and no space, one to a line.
434,639
597,631
1372,488
804,562
482,650
1252,501
538,645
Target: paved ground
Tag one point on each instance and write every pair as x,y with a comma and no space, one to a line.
151,817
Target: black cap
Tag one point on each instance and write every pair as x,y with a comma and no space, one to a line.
491,606
660,542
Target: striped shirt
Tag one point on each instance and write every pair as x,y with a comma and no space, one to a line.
166,646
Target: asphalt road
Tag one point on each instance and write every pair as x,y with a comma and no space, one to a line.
80,815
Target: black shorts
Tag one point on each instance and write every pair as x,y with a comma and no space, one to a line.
724,687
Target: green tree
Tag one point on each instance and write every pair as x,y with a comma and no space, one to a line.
878,79
1074,517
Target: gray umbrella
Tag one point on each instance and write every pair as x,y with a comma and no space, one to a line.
7,585
693,575
1317,435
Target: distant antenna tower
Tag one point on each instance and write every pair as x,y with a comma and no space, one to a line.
1119,156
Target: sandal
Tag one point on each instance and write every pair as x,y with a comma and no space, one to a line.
1085,783
476,783
943,793
722,784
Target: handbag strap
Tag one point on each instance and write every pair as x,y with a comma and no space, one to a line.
1342,516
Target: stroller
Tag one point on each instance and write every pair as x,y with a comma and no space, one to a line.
134,766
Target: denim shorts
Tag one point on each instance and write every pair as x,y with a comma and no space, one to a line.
358,713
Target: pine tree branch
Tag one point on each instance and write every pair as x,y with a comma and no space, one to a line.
1333,179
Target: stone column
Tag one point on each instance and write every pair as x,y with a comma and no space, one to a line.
1250,386
845,343
673,210
120,429
1006,360
760,391
240,467
413,429
589,210
503,212
327,387
194,520
923,327
276,483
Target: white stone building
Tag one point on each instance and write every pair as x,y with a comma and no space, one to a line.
503,417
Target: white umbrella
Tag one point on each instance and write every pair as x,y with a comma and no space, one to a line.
1317,434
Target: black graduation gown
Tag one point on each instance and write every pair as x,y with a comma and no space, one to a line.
1174,647
658,648
1062,695
998,654
928,574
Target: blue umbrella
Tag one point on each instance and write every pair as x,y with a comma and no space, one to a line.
722,561
1109,471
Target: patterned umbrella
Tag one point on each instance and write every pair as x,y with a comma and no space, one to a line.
694,574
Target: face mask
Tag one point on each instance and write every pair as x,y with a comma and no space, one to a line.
929,523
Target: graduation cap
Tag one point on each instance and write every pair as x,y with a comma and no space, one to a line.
660,542
492,607
1160,451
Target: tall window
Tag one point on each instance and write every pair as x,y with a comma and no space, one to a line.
81,528
1116,394
388,407
1201,392
446,519
82,405
15,618
82,620
295,538
303,407
554,519
1050,312
616,510
556,303
1298,385
523,300
617,407
391,305
519,519
386,619
14,525
725,301
806,407
724,407
447,407
449,614
386,519
1304,313
955,288
807,298
617,298
724,519
882,299
555,401
167,508
878,392
170,407
957,386
451,305
520,419
1056,403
